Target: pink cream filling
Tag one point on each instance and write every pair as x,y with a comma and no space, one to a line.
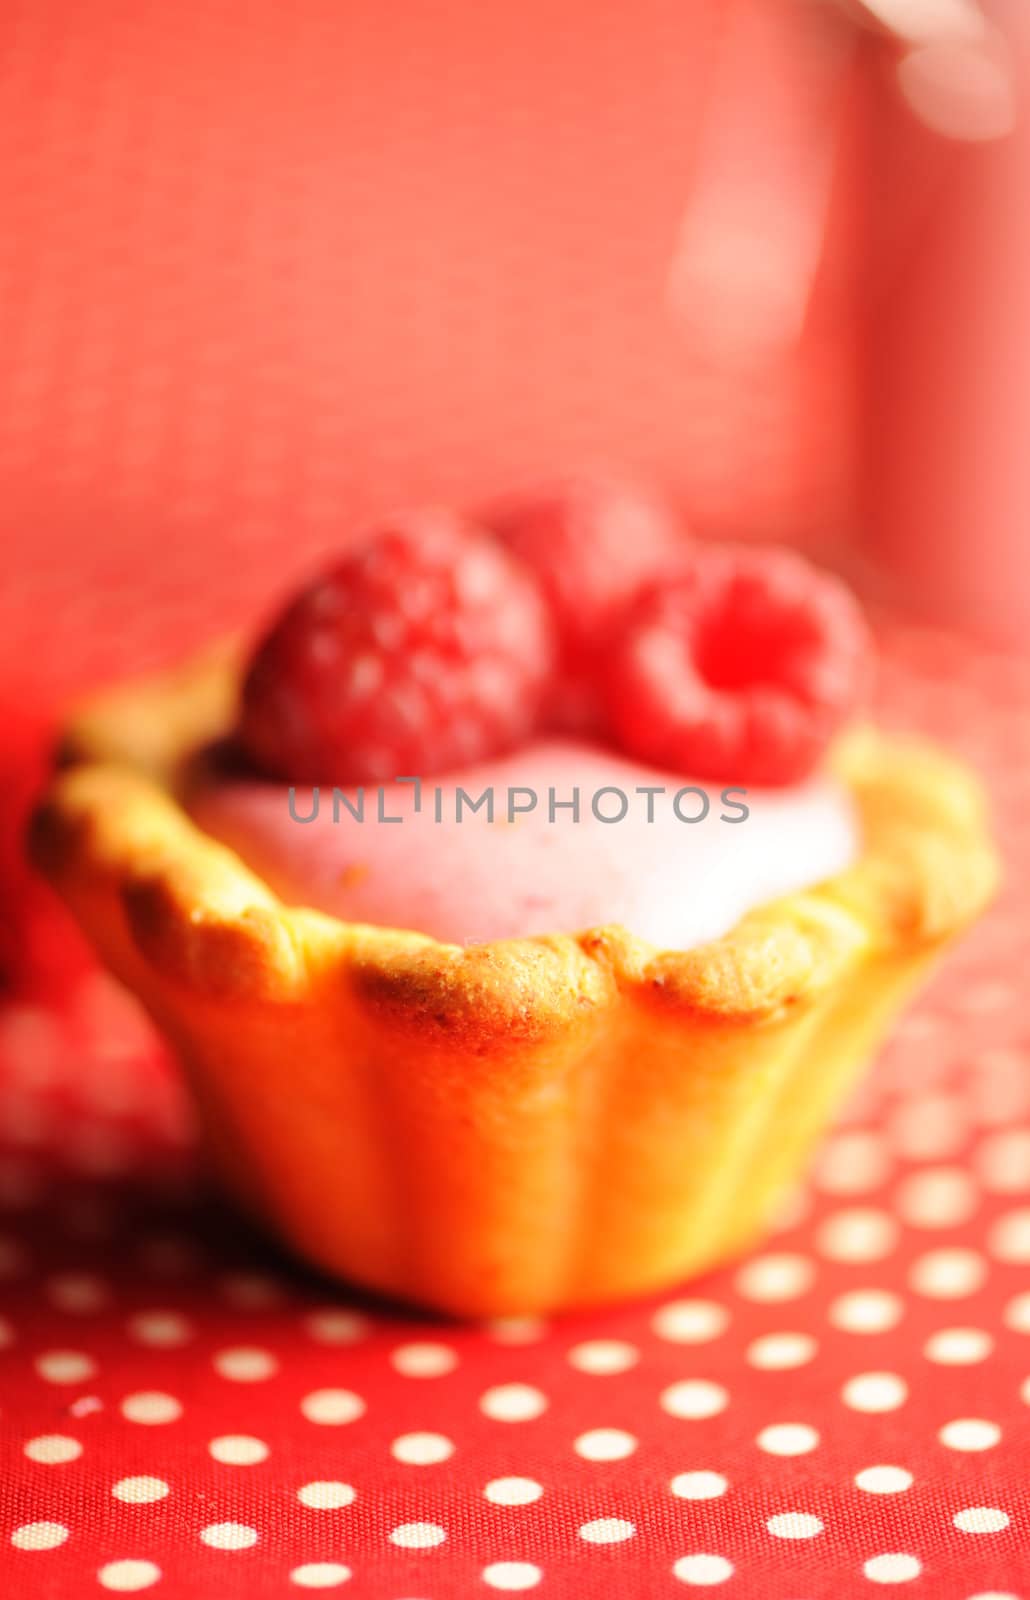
673,882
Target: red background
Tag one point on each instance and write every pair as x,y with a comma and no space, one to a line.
266,269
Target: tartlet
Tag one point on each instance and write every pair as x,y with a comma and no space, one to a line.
522,1125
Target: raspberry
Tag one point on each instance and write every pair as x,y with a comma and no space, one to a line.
426,647
742,666
592,541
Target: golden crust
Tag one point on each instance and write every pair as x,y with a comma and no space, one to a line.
419,1115
927,869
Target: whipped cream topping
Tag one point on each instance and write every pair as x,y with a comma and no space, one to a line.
447,870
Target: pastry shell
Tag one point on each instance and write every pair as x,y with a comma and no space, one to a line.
517,1126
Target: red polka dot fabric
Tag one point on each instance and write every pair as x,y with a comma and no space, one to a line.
844,1412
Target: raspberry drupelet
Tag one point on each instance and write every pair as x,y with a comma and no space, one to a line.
427,647
746,662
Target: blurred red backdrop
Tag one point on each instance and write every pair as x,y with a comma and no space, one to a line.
265,270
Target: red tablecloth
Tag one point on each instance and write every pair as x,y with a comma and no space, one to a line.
185,1411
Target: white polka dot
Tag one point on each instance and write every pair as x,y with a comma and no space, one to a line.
603,1356
928,1127
919,1025
884,1480
690,1321
512,1575
985,997
39,1535
421,1449
958,1347
326,1495
1009,1237
947,1274
516,1330
424,1360
607,1530
333,1326
852,1163
794,1525
994,1594
703,1571
53,1448
775,1277
139,1491
1017,1313
77,1292
238,1450
778,1352
1001,1091
866,1311
125,1577
694,1398
895,1567
320,1575
1024,1391
251,1291
787,1439
969,1433
698,1485
332,1406
65,1366
858,1234
1003,1161
150,1406
162,1329
87,1405
170,1255
875,1392
940,1197
981,1519
418,1535
605,1444
245,1364
229,1536
513,1402
513,1491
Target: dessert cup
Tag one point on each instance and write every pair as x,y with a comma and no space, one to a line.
518,1126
